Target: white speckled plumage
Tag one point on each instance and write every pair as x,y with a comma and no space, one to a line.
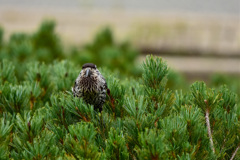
91,86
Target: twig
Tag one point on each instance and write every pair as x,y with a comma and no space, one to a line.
63,119
223,145
209,129
235,152
112,100
82,116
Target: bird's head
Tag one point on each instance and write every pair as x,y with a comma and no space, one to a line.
88,69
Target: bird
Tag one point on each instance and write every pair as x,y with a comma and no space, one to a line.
91,86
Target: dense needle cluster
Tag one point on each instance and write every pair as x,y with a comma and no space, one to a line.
91,86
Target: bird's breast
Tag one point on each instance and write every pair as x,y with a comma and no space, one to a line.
88,84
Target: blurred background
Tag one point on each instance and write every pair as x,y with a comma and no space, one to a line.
200,40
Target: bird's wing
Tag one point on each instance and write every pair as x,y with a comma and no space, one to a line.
77,92
103,80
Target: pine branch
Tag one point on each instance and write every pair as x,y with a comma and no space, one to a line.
209,129
235,152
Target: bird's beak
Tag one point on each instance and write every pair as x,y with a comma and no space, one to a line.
88,72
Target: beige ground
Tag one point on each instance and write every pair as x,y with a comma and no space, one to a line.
202,65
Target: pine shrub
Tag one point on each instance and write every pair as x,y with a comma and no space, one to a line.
141,119
146,117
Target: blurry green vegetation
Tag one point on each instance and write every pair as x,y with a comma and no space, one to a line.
47,43
1,36
232,81
42,46
104,51
45,46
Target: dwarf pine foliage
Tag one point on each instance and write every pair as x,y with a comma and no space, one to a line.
141,119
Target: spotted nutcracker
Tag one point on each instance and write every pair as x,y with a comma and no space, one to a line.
91,86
